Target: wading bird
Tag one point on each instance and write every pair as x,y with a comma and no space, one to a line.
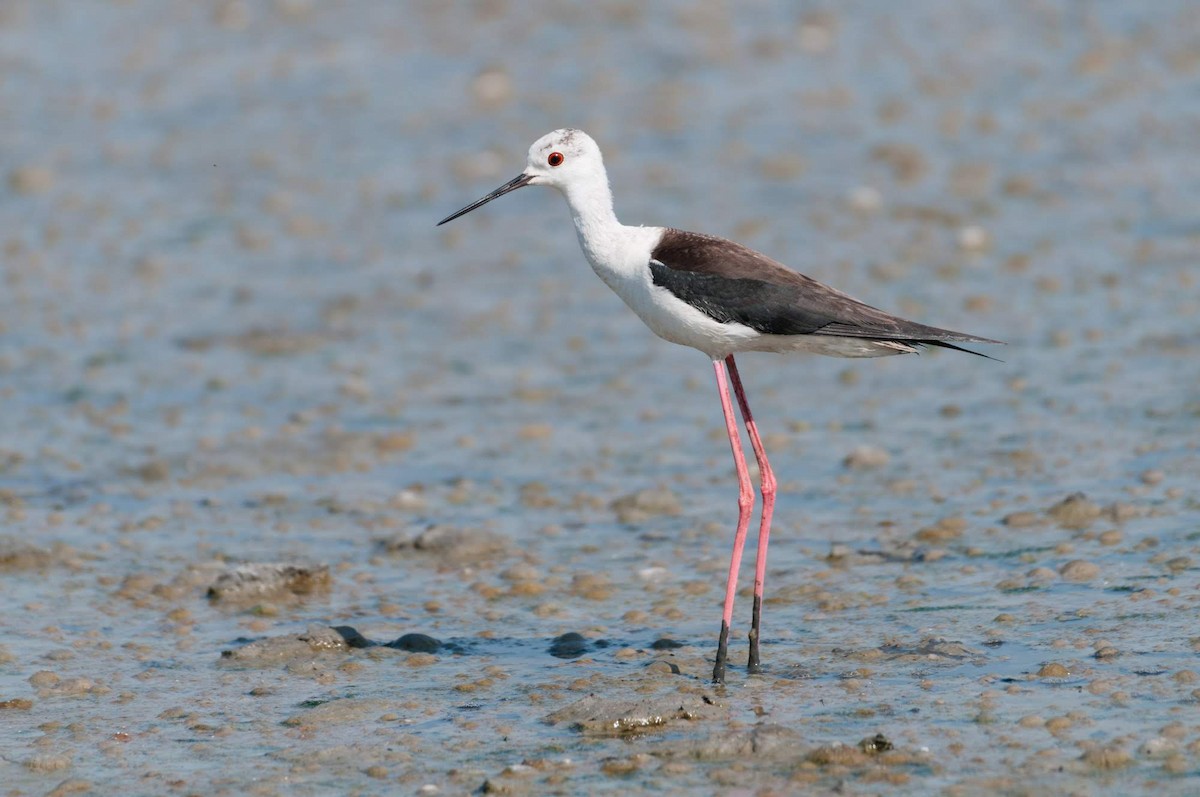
722,298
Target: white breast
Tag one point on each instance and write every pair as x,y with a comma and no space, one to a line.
622,260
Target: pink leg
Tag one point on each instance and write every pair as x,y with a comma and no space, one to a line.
767,477
745,506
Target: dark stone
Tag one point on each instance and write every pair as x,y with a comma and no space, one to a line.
352,637
415,643
568,646
665,644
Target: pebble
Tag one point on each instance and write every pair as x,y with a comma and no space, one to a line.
1059,724
1107,758
974,239
641,506
662,667
421,660
592,586
570,645
254,582
275,651
944,530
864,457
1021,519
1079,570
1158,747
452,544
666,643
48,762
1054,670
865,199
1074,512
29,180
492,88
595,715
415,643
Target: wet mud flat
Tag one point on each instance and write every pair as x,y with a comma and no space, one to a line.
302,496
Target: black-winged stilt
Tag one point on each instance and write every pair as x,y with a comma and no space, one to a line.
722,298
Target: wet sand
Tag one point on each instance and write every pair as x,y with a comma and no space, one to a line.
301,495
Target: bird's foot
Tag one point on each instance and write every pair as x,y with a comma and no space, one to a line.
722,655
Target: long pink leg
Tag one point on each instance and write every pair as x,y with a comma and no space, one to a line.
767,477
745,506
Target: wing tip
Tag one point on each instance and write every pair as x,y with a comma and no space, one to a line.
944,345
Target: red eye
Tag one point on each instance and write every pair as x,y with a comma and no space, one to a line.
555,159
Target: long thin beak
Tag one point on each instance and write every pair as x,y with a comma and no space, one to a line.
519,181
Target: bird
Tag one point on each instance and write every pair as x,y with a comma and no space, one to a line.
721,298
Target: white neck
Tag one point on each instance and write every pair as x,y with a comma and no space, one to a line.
591,204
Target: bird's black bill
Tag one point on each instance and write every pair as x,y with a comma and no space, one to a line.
519,181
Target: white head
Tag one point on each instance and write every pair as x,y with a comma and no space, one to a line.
566,159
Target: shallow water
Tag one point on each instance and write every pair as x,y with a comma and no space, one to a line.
229,333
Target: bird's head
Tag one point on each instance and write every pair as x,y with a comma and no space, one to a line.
559,159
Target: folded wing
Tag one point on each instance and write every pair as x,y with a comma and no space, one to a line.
732,283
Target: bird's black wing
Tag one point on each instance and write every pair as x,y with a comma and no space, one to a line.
732,283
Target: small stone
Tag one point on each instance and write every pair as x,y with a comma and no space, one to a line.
249,583
1106,758
1018,520
592,586
568,646
1178,564
48,762
665,643
454,545
1059,724
415,643
865,199
16,704
155,470
1054,670
1158,747
944,530
875,744
623,766
492,88
44,679
663,667
1079,570
1074,512
1042,574
974,238
421,660
645,504
31,180
1152,477
838,755
1106,653
864,457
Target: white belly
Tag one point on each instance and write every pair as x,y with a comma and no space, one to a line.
675,320
623,263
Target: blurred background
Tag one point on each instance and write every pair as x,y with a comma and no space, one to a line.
229,331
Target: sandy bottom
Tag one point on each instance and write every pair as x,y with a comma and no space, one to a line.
301,495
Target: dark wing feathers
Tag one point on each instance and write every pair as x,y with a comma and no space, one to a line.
733,283
765,306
